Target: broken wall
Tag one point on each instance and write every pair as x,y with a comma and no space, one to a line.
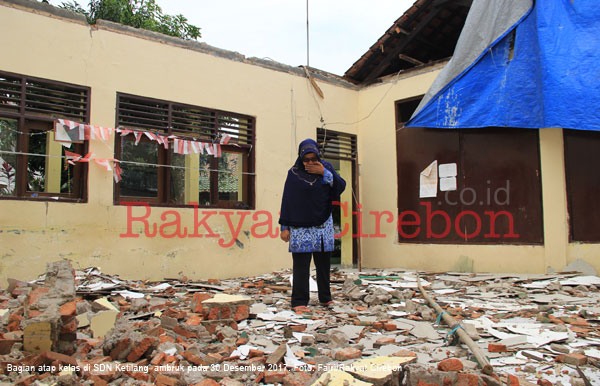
110,58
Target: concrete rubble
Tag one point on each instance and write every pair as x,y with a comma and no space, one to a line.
88,328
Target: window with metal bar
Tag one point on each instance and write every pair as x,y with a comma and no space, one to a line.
32,164
158,175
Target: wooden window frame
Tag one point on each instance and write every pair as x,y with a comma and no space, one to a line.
212,128
35,103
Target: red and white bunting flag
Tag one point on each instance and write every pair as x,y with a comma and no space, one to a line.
87,157
181,146
138,136
88,133
165,141
103,133
196,147
176,145
103,162
217,150
117,172
225,139
209,149
124,132
81,131
151,136
111,131
72,157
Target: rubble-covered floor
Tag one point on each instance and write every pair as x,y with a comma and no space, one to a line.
84,327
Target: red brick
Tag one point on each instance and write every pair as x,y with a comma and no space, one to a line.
33,313
193,358
15,318
298,327
241,312
139,376
183,332
423,383
467,380
297,378
572,359
171,359
198,298
214,281
69,327
383,341
120,347
164,380
512,380
255,353
225,312
214,358
241,341
158,358
275,376
544,382
61,358
451,364
347,353
97,380
193,320
213,314
206,382
68,309
14,326
404,353
36,294
26,381
141,348
378,325
389,326
495,347
165,338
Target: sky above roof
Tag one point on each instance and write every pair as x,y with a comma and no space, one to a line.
341,31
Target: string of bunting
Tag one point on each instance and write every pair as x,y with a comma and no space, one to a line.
68,132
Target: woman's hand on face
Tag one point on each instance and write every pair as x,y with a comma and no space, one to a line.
315,168
285,235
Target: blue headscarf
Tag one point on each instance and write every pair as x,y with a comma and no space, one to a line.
306,199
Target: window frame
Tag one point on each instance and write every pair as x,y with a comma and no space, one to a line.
28,115
165,156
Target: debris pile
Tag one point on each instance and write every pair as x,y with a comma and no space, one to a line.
87,328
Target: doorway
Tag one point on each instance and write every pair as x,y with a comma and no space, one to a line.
339,149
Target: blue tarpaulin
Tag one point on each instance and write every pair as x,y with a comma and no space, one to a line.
543,70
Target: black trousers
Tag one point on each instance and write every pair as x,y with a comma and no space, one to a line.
301,271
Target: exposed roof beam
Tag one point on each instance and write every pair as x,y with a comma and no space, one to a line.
407,58
376,72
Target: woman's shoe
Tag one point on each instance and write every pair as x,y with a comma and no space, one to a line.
300,309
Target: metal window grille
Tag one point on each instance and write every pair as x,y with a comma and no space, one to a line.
45,98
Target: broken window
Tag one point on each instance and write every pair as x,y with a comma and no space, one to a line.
32,163
495,195
155,174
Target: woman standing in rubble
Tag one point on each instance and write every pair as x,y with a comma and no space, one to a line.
311,186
